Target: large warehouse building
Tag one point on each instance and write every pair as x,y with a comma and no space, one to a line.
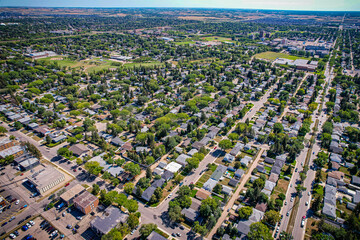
46,179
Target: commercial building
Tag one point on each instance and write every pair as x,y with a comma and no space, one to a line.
44,54
29,163
6,143
12,151
72,193
86,202
46,179
111,217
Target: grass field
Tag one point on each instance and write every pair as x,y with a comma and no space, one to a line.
184,42
217,38
147,64
92,65
275,55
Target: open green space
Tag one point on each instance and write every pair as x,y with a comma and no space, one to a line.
274,55
93,65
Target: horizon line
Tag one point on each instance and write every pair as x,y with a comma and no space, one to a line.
261,9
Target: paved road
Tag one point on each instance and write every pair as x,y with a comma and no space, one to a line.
234,197
299,232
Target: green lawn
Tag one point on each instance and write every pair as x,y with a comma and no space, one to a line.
90,65
184,42
217,38
274,55
147,64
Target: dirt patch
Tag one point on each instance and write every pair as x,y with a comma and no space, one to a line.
311,226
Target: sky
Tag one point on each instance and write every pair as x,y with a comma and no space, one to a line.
318,5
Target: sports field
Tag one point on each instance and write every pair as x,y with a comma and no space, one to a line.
274,55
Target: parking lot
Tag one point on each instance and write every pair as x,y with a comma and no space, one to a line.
35,230
16,195
72,223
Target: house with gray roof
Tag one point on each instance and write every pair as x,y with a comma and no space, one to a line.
155,236
236,150
243,226
110,218
355,180
276,170
158,183
147,194
329,210
167,175
229,158
181,159
210,184
219,172
245,161
117,142
190,214
239,173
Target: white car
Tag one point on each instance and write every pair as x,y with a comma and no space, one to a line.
28,225
12,236
32,222
303,223
53,233
17,202
291,199
306,203
309,193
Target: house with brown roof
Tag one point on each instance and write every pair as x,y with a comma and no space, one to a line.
261,207
86,202
337,175
79,150
202,194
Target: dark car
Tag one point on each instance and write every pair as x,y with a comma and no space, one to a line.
27,217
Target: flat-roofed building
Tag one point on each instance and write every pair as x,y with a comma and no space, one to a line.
46,179
72,193
6,143
12,151
86,202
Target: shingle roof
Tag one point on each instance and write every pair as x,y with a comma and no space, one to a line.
109,220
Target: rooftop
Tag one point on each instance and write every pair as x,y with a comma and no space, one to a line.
45,176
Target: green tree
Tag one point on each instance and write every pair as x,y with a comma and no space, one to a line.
278,128
71,140
146,229
225,144
129,187
18,125
258,231
272,217
93,168
245,212
175,213
95,189
133,168
131,205
3,130
132,221
233,136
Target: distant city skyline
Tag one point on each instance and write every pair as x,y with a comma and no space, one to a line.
313,5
